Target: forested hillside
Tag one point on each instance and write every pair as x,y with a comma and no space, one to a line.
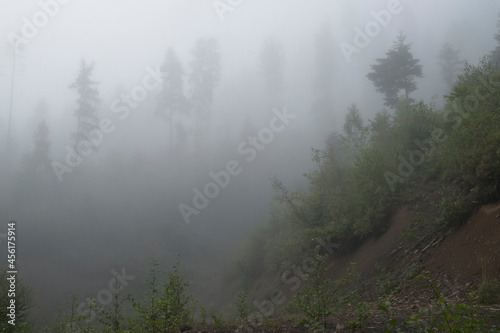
283,167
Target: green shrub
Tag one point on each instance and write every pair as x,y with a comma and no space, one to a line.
217,318
166,307
175,304
455,209
242,308
320,297
489,292
362,316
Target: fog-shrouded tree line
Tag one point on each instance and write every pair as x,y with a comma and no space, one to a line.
357,168
190,92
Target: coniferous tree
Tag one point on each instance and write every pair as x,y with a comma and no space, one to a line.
450,63
495,54
272,64
203,79
171,99
87,103
396,72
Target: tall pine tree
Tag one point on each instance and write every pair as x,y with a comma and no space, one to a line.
204,77
87,104
171,99
396,72
272,64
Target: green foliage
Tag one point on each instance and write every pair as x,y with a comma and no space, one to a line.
175,304
149,310
166,306
217,318
358,182
242,308
388,315
203,314
321,296
73,321
489,292
455,209
414,123
471,150
362,316
379,129
113,319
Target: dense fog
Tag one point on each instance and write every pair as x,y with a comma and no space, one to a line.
157,181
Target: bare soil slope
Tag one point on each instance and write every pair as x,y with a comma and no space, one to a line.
471,252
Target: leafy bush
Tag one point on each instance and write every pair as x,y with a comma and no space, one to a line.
217,318
321,296
175,304
362,316
242,308
149,311
489,292
455,209
166,307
